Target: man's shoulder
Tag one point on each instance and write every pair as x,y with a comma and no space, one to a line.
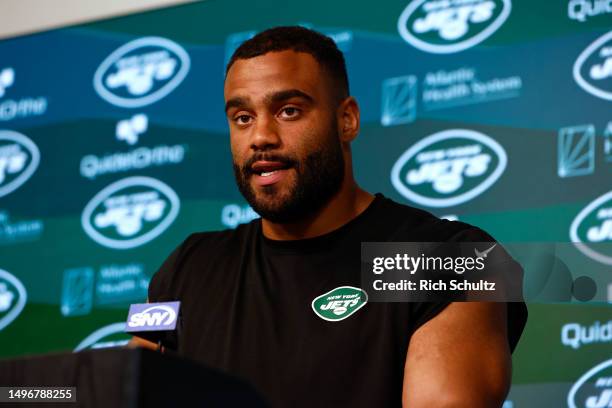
196,252
221,240
415,224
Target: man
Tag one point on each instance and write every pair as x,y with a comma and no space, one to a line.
247,294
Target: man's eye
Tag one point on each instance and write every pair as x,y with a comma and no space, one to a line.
290,112
242,119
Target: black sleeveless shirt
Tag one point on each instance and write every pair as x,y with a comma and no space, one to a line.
247,308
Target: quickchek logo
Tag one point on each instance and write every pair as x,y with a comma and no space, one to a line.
575,335
13,298
141,72
7,79
158,316
591,230
447,26
19,158
448,168
339,303
593,68
130,212
593,389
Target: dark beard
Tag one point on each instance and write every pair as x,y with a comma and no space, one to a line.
319,178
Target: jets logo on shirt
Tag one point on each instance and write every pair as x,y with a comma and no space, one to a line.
339,303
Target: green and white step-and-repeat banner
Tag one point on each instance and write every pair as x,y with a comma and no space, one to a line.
114,147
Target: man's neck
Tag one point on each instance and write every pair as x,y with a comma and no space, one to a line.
342,208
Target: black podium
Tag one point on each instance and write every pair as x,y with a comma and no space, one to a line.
129,378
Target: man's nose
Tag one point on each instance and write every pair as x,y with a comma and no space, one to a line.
265,135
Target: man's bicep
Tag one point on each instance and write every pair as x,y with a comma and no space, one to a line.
459,358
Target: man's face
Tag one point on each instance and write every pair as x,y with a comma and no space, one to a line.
285,143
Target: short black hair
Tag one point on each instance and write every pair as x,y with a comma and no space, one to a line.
299,39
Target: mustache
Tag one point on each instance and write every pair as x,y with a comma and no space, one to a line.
287,161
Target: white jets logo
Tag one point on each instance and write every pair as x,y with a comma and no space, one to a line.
19,158
448,168
593,389
130,212
153,316
13,298
593,226
141,72
593,68
447,26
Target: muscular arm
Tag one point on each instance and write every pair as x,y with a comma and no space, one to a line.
460,358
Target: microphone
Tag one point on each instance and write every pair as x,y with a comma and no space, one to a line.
157,322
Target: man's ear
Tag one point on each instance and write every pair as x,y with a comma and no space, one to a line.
348,119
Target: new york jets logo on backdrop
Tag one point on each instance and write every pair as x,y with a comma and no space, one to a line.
112,335
448,168
447,26
13,298
591,230
19,158
593,68
339,303
593,389
141,72
130,212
